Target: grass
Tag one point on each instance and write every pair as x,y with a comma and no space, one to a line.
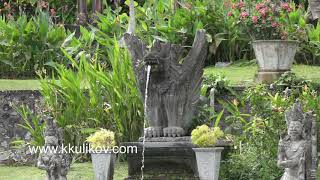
6,85
237,74
244,75
78,171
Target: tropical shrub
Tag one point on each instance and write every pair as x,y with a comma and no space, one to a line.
61,11
76,102
219,82
163,21
122,93
30,45
88,96
310,50
102,139
270,20
31,123
255,154
203,136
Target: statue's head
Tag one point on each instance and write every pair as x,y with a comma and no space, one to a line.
295,129
162,56
154,60
295,121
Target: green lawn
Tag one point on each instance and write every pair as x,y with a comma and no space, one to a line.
238,75
78,171
19,84
244,75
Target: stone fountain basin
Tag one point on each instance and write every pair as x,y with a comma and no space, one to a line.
166,157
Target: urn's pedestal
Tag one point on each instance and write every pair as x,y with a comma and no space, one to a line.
268,76
165,158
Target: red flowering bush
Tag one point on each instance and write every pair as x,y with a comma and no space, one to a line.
268,20
63,11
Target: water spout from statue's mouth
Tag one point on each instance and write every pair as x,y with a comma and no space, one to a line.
152,61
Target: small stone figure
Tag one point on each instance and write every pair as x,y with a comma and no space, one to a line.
297,152
54,161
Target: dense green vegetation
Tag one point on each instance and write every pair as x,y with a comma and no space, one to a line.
87,81
255,132
31,42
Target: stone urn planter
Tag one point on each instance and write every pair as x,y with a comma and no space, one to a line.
208,162
103,165
274,57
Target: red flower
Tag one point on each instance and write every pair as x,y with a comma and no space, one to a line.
227,4
234,6
241,4
286,6
230,14
244,15
259,6
263,12
270,18
7,5
53,12
255,19
274,24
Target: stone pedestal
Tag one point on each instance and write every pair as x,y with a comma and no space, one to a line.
165,158
268,77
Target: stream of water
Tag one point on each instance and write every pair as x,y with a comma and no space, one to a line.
145,119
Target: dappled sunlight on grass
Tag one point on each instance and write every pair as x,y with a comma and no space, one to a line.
244,75
238,75
78,171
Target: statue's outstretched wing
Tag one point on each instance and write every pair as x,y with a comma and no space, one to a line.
192,73
193,65
137,50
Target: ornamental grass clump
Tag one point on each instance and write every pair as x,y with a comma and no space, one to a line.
267,20
102,139
203,136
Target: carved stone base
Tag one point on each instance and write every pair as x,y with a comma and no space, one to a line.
165,158
268,77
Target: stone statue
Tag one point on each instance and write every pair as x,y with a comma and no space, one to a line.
175,82
315,8
297,152
54,161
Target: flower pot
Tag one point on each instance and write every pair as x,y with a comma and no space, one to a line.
103,165
274,57
208,162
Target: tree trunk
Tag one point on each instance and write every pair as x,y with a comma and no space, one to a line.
82,12
97,6
132,21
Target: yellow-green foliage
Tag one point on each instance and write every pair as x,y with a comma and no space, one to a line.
203,136
103,138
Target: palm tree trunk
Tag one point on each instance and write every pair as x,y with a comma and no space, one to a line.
132,21
82,12
97,6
